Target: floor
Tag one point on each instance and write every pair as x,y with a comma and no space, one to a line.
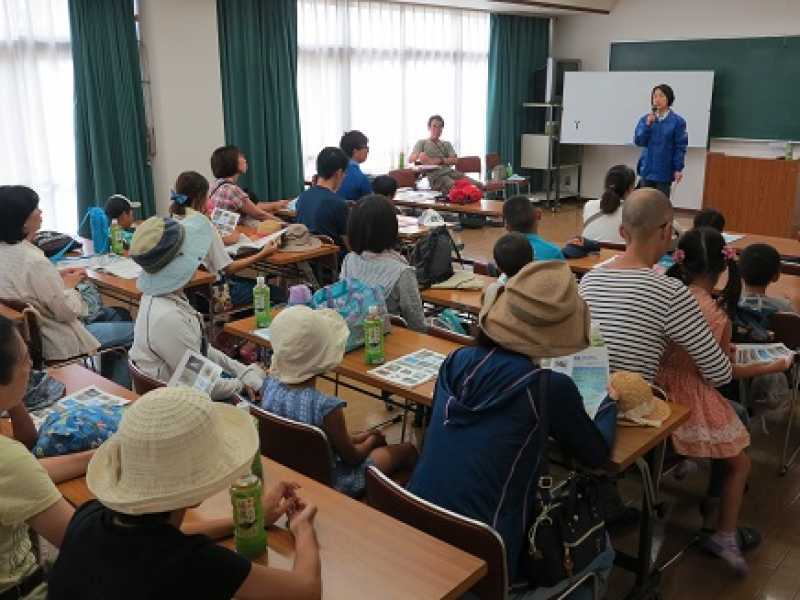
772,504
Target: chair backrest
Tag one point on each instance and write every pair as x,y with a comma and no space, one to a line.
492,160
301,447
469,535
469,164
403,177
29,329
452,336
790,268
612,246
142,382
487,269
786,327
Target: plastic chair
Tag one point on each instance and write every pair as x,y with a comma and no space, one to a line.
467,534
142,382
299,446
28,329
786,327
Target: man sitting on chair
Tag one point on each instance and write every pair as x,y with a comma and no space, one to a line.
434,151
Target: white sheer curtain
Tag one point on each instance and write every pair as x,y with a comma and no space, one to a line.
37,143
384,69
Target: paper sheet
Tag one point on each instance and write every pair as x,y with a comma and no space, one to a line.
224,220
589,370
245,243
121,267
88,396
761,353
195,371
412,369
732,237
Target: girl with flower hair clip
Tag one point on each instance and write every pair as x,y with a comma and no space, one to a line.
713,430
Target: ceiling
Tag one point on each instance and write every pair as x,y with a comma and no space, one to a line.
525,7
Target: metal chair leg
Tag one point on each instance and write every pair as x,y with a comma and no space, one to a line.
787,462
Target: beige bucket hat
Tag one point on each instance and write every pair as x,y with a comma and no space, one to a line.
297,237
173,449
637,404
306,343
538,313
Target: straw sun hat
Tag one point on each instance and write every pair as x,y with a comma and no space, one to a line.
637,405
173,449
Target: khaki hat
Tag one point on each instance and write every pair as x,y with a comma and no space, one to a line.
297,237
637,405
306,343
538,313
173,449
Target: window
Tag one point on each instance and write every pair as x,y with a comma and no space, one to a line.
37,143
383,69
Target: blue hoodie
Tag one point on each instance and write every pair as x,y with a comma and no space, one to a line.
664,145
482,447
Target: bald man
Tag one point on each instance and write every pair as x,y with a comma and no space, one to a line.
640,310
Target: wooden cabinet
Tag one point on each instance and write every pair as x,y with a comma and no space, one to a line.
756,195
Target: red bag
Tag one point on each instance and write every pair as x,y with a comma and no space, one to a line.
464,192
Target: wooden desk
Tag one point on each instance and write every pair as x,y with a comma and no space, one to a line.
282,258
398,343
468,301
125,290
364,553
579,266
634,442
485,208
786,247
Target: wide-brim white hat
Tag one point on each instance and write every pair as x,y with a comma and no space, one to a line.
306,343
173,449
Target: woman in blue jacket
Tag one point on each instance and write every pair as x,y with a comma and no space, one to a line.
662,134
483,446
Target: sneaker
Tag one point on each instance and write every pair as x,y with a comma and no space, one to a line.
725,547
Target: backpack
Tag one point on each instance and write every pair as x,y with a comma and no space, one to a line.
751,325
99,226
352,299
432,257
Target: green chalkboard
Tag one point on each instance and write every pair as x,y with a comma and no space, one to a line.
756,80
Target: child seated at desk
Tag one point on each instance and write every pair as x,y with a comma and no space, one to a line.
189,198
120,208
305,344
713,429
29,498
372,231
169,253
320,207
355,184
511,253
385,186
228,163
173,450
709,217
760,266
521,216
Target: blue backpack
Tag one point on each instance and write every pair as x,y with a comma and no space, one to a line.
352,298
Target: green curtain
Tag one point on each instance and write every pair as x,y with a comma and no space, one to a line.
517,47
258,63
110,140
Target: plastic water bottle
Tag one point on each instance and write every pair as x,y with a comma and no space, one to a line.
117,247
401,163
373,338
248,517
509,170
788,153
595,335
261,303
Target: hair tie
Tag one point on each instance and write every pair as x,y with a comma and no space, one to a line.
728,252
177,198
679,256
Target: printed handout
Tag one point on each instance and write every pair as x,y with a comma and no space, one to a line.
412,369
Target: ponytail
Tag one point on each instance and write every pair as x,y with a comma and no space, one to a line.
619,180
729,299
191,189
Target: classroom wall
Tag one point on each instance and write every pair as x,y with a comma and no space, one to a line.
180,40
588,38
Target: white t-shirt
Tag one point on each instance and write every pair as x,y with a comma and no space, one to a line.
604,228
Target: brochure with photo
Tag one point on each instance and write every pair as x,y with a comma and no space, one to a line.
224,220
88,396
247,245
589,370
195,371
412,369
758,353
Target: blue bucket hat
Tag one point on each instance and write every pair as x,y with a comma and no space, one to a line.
169,252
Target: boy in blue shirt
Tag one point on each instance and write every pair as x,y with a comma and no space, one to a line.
520,216
320,208
355,185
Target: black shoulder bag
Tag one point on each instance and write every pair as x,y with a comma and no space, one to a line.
568,531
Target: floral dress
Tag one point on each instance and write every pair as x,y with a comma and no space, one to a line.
310,406
713,429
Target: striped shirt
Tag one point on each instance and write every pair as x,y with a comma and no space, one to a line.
639,311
